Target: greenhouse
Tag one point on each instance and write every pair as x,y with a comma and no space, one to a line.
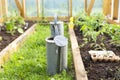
60,40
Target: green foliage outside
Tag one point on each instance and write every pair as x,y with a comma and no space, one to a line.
29,62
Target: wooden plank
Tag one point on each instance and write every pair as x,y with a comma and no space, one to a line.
23,9
85,5
107,7
0,8
19,6
38,8
109,20
70,8
90,7
46,18
78,63
114,9
116,5
119,12
5,53
4,8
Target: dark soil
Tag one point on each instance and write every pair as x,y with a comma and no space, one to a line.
8,38
99,70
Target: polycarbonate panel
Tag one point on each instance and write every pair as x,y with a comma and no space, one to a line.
78,6
31,8
97,8
12,8
59,7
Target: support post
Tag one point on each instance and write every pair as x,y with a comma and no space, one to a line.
70,8
23,9
90,7
38,8
119,12
19,6
107,7
4,8
85,5
114,9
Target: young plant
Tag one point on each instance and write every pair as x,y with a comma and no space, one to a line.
114,32
15,24
92,27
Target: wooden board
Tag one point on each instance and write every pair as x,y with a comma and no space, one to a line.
107,7
46,18
70,8
90,7
6,52
78,63
112,21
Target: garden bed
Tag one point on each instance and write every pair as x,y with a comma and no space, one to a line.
10,43
8,38
99,70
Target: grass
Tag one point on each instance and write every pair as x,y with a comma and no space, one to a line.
29,62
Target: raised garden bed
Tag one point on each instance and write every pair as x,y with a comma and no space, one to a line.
99,70
93,33
77,59
10,43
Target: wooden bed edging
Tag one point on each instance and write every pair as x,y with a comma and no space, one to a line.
12,47
78,63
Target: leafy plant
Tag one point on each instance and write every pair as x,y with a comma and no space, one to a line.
15,24
92,28
113,30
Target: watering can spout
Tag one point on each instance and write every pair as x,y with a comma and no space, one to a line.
55,18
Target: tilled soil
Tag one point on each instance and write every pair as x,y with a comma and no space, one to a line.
100,70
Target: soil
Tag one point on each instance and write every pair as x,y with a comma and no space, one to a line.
99,70
8,38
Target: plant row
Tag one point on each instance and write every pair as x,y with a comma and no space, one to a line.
95,28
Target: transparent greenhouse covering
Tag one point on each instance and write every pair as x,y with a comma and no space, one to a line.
49,8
